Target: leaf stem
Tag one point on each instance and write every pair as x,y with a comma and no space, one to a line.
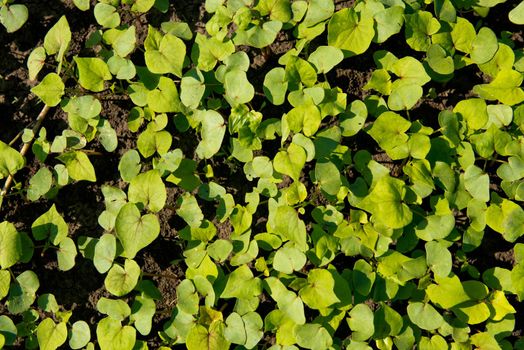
160,275
24,150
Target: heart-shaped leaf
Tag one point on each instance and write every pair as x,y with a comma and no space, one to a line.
149,190
50,225
121,280
351,31
22,293
13,16
135,231
112,335
51,335
80,335
50,90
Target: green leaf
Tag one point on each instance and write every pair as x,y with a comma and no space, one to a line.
129,165
149,190
92,72
404,97
436,342
22,293
164,99
134,231
122,40
35,62
507,219
318,11
151,141
50,225
39,184
463,35
286,223
66,254
212,133
361,323
438,258
474,111
244,330
105,253
14,246
325,58
313,336
299,71
164,54
212,338
477,183
114,308
350,31
410,72
8,329
505,88
288,259
305,117
484,46
106,15
143,310
50,90
420,26
80,335
82,5
258,36
192,88
112,336
439,61
328,175
47,302
187,297
447,293
398,268
107,136
189,210
13,16
78,166
353,120
179,29
121,280
517,14
389,130
278,10
318,293
501,305
142,6
290,161
5,280
425,316
220,249
238,89
242,284
51,335
207,51
86,107
10,160
386,203
57,40
388,22
275,85
435,227
122,68
387,322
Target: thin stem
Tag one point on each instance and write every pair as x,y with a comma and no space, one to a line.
24,150
160,275
92,153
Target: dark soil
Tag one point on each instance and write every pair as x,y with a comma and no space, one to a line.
81,203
